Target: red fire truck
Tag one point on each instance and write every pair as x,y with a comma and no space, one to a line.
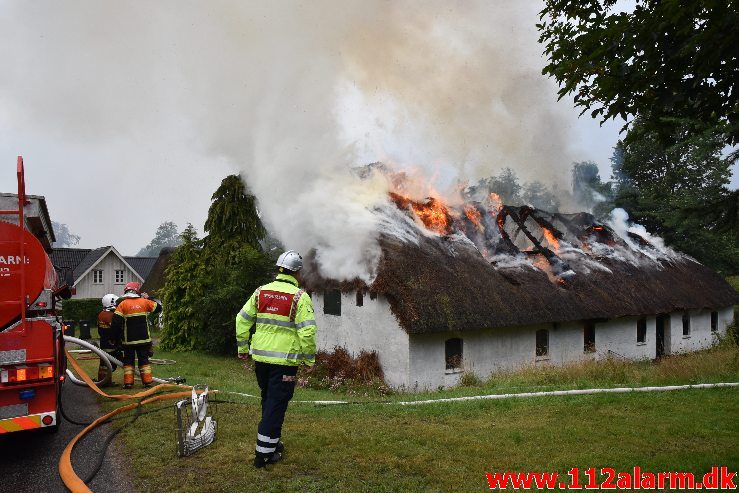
32,362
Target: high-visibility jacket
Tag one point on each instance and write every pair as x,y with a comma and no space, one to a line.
130,322
277,324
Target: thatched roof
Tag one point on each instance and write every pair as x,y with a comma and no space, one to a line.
155,280
441,285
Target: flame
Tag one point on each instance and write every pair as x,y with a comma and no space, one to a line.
553,242
433,212
496,204
473,215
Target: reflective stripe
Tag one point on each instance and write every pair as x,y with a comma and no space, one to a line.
267,439
305,324
281,323
265,450
276,354
246,316
242,343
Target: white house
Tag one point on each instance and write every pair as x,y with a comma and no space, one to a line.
438,308
96,272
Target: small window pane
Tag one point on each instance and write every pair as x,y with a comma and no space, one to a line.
641,330
542,342
332,302
453,353
714,321
686,324
360,298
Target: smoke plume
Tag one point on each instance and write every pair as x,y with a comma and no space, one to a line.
294,95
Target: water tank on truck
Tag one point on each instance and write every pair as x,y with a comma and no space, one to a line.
32,362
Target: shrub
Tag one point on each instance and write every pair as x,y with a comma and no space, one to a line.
339,370
81,309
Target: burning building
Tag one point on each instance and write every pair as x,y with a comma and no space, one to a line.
482,287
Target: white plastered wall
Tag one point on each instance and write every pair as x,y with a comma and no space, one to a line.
700,336
371,327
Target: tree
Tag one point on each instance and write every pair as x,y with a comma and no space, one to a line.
182,293
64,237
589,190
233,213
671,63
677,192
209,280
536,194
165,236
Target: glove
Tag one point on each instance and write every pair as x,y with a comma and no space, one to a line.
151,351
244,356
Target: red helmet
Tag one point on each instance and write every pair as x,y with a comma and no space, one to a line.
132,286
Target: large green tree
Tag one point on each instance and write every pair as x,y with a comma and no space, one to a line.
673,63
673,189
209,280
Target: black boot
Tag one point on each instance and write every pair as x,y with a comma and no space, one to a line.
262,460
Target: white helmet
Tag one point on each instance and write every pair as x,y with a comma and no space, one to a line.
290,260
109,301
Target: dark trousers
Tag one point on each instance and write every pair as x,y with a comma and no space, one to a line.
130,353
277,383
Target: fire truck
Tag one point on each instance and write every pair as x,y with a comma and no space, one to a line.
32,361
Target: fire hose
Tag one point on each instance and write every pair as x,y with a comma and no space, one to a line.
66,471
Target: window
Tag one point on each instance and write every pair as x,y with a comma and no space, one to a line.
373,295
542,342
589,339
332,302
360,297
97,277
714,321
119,277
453,354
641,331
686,324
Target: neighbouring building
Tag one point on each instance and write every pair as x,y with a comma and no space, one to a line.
552,289
96,272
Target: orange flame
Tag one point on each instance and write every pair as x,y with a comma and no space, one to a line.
473,215
496,204
433,213
553,242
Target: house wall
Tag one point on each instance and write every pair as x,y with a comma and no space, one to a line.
109,264
700,329
418,361
371,327
493,350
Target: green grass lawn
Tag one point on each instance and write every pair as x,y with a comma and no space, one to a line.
378,447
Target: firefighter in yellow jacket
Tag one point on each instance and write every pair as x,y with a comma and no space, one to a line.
131,327
277,328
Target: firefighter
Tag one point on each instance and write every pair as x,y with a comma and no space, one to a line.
277,328
131,327
107,342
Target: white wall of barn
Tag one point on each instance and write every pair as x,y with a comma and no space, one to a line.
700,336
87,288
418,361
371,327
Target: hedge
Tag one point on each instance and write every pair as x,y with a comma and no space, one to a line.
82,309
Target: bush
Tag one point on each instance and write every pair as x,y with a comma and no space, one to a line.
82,309
340,371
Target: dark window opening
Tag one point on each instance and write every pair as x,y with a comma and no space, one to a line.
686,324
641,330
332,302
589,332
453,353
714,321
360,298
542,342
373,295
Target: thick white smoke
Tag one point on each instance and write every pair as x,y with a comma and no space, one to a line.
295,94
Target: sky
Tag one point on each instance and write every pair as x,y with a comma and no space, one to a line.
130,114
